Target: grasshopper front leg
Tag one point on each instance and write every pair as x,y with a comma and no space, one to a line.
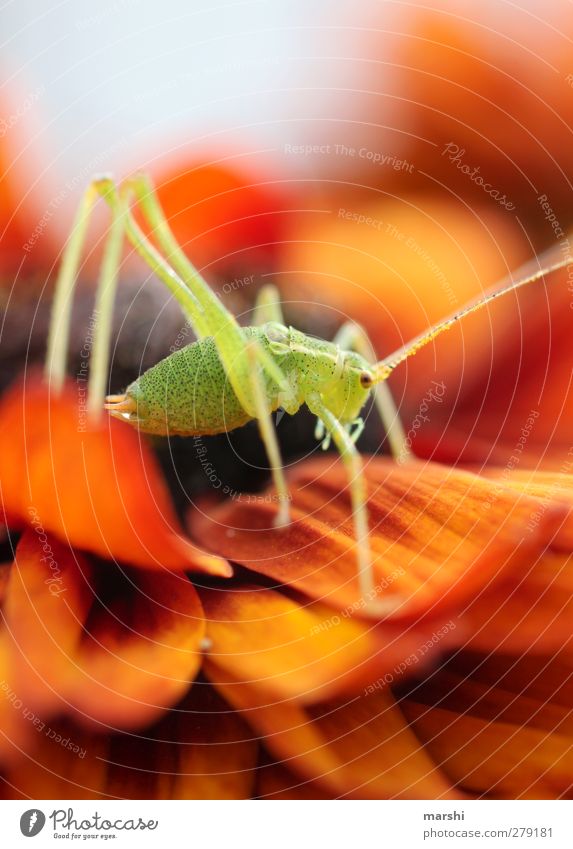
353,337
359,498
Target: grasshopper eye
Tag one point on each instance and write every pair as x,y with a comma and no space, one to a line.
366,380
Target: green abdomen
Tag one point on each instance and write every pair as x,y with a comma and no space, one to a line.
188,393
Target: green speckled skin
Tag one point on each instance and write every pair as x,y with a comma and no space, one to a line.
188,393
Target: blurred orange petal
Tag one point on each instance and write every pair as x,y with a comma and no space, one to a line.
15,730
47,601
529,611
141,651
437,534
227,213
116,650
490,89
65,762
518,410
27,221
361,748
494,732
276,782
286,650
215,751
420,259
202,751
96,485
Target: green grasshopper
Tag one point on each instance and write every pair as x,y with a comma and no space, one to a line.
235,374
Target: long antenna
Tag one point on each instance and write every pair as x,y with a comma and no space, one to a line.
385,367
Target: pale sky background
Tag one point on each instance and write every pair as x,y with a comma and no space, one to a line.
119,84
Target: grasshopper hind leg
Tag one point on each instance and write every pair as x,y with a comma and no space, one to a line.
269,437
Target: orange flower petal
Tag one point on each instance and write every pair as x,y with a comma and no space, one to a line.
47,601
201,751
225,213
15,730
548,488
362,748
66,762
516,409
141,651
286,650
95,485
423,258
27,221
276,782
135,654
493,738
437,534
529,611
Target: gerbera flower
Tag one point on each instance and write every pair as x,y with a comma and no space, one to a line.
134,665
306,678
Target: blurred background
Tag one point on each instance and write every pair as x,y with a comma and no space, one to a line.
380,161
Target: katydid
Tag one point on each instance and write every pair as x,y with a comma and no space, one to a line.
235,374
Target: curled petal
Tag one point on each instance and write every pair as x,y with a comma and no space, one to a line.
141,651
94,484
112,647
